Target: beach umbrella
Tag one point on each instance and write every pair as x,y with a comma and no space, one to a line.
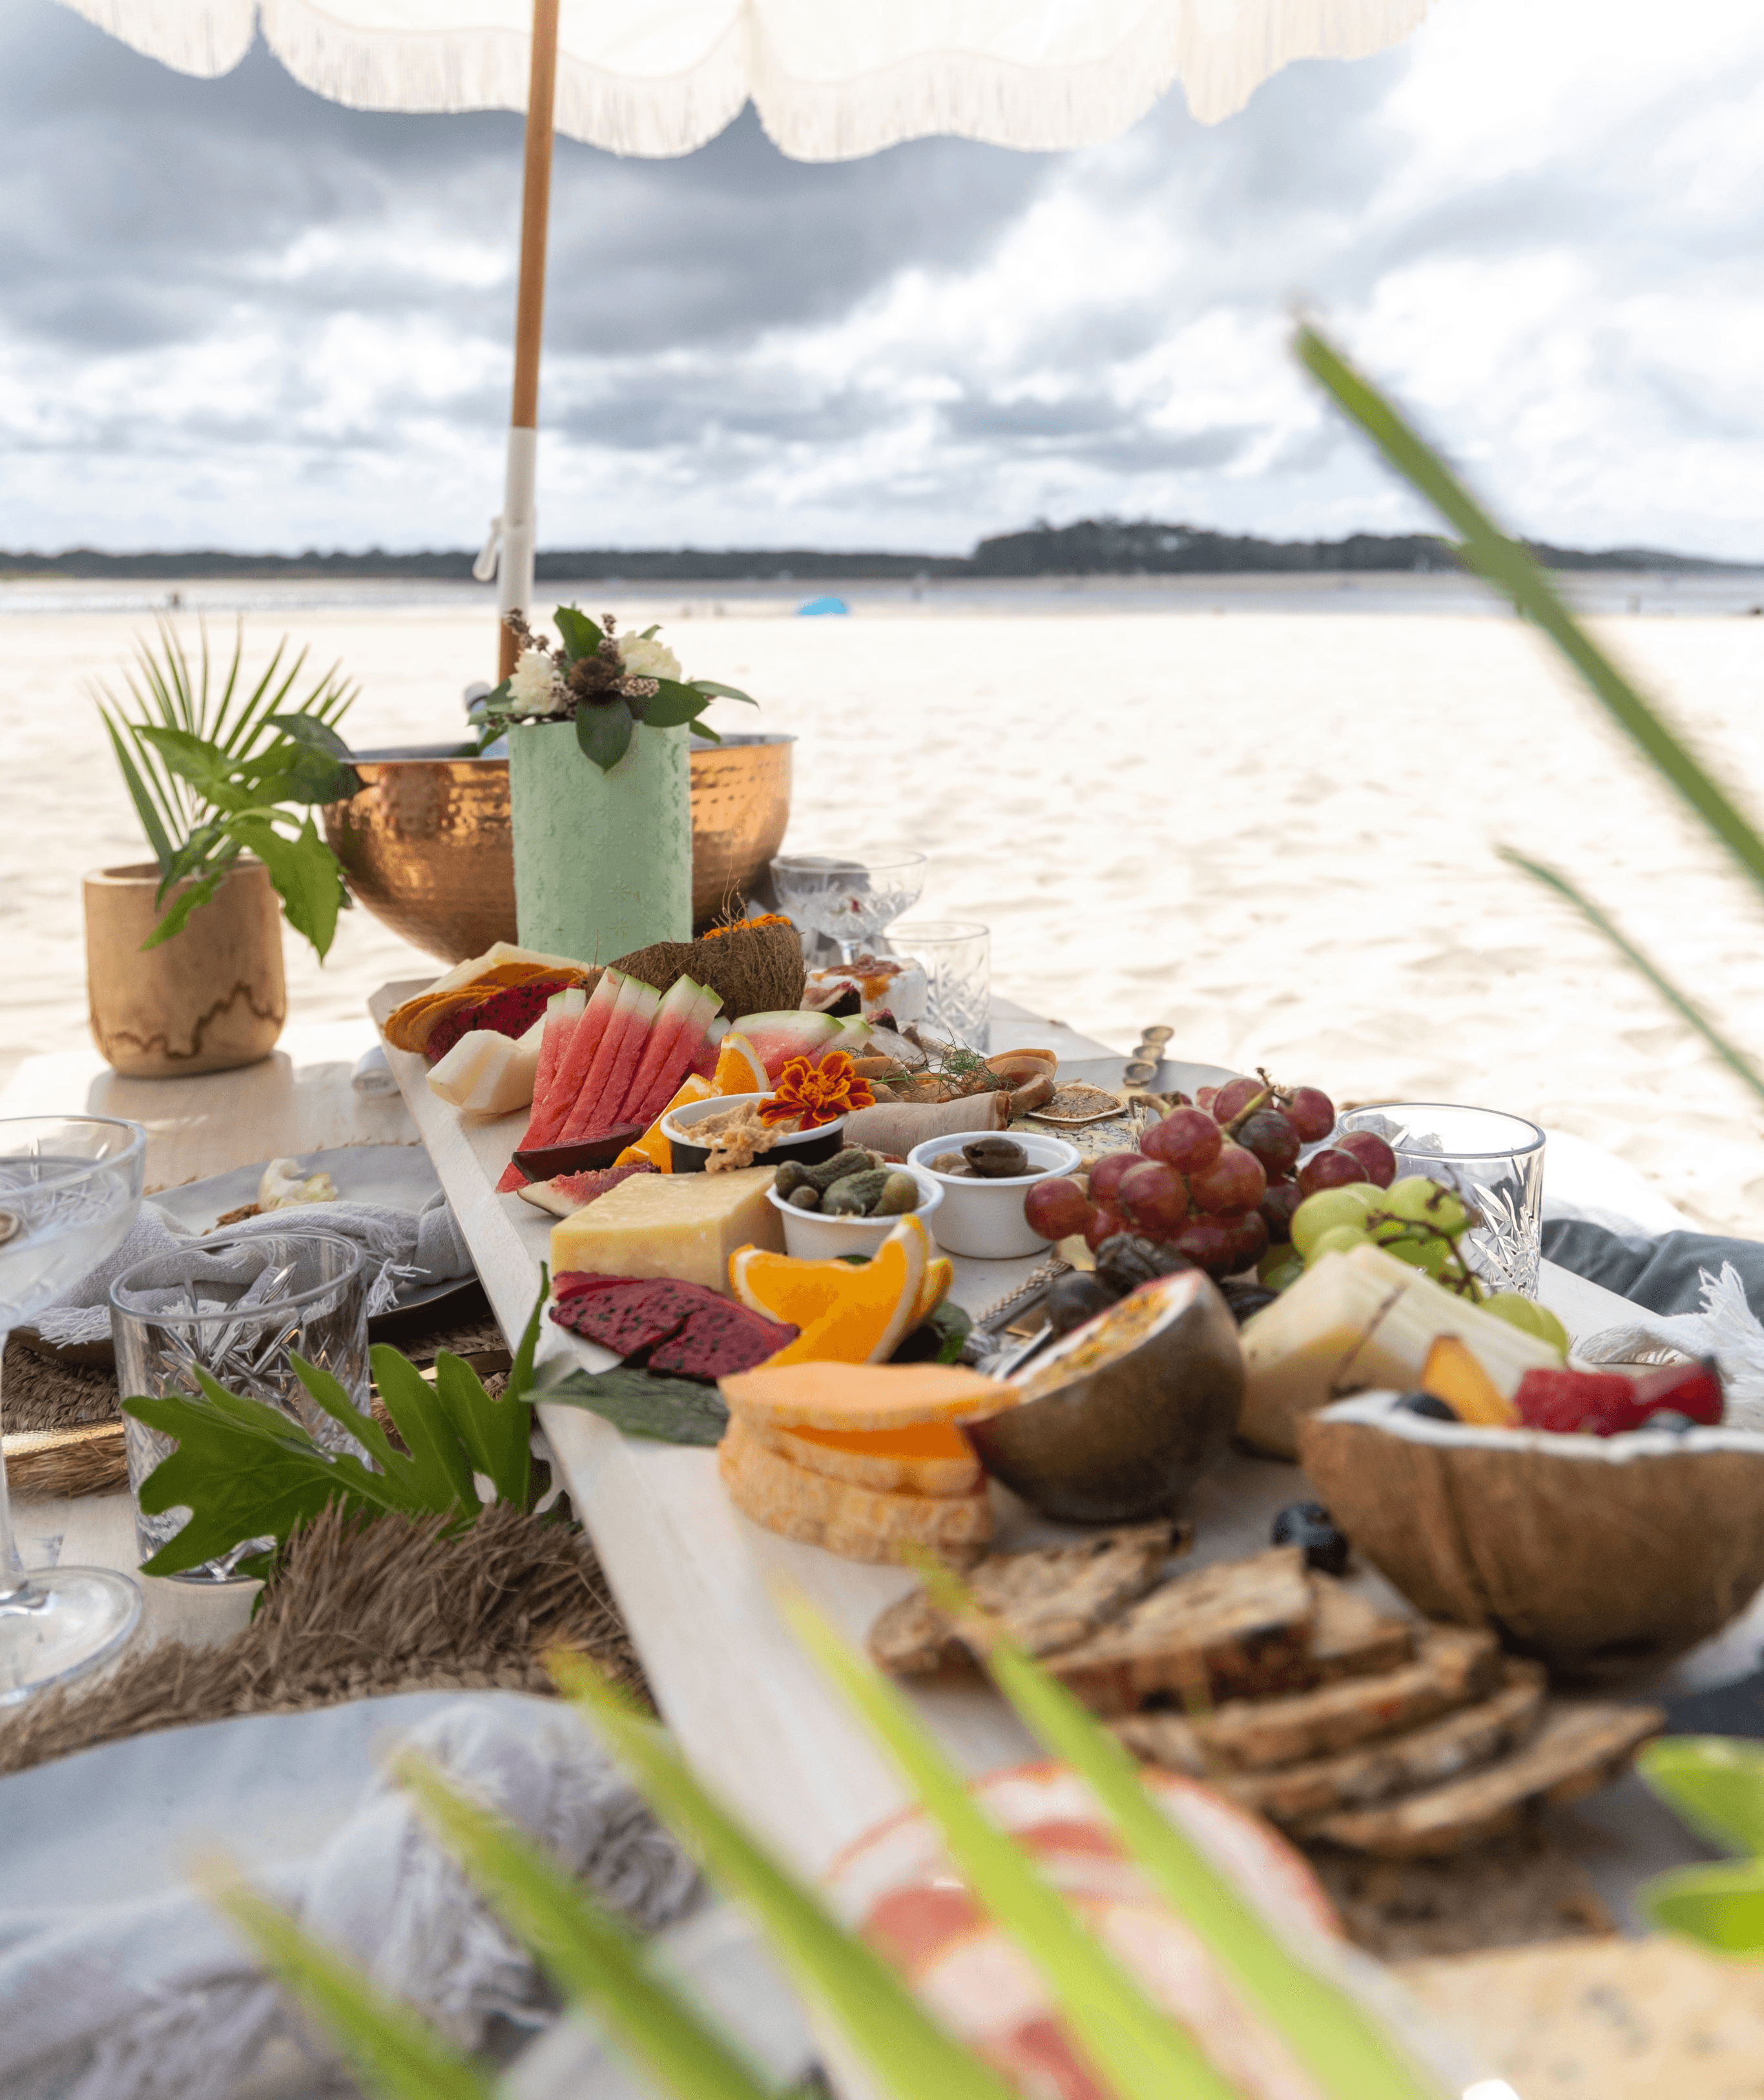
831,80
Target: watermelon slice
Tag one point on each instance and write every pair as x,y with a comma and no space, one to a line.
660,1074
563,1019
705,1057
673,1020
564,1194
584,1044
777,1038
616,1061
854,1037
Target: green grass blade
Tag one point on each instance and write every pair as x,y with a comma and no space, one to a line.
1681,1003
386,2041
1143,2053
912,2058
589,1953
1344,2047
1507,565
1713,1783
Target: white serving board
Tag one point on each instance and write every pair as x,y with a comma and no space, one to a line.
695,1579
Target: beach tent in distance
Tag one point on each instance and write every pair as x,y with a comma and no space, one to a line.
831,80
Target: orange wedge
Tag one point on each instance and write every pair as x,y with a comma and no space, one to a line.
940,1273
1453,1374
653,1145
849,1313
739,1068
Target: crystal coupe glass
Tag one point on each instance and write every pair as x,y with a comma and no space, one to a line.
850,897
70,1187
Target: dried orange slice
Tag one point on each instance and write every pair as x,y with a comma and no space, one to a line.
849,1313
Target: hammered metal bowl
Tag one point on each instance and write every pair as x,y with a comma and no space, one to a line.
426,845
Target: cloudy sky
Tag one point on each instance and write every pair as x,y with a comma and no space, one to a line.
234,315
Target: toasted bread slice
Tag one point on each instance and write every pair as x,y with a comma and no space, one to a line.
1049,1597
1577,1747
1349,1637
1237,1629
1454,1666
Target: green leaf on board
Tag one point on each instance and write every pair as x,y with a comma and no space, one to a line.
1343,2047
1140,2053
1720,1907
673,704
1686,1008
911,2057
937,1338
579,635
590,1952
712,690
603,732
1713,1783
643,1403
390,2045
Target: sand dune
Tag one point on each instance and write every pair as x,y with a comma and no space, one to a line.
1276,832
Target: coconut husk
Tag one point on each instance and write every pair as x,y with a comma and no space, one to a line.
358,1611
1598,1555
757,968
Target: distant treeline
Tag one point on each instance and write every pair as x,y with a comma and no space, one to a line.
1092,547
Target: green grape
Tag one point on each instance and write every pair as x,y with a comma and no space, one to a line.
1421,1202
1337,1239
1330,1207
1280,1266
1430,1254
1528,1315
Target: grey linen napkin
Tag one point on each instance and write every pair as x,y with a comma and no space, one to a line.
414,1247
159,2000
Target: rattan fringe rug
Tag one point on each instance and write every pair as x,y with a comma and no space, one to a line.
361,1609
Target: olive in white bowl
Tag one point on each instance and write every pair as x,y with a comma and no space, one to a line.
982,1214
823,1235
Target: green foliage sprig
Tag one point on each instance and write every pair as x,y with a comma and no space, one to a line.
244,1470
587,679
215,770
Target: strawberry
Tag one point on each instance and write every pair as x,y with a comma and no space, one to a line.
1596,1403
1692,1389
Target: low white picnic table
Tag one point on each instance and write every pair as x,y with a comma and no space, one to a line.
695,1580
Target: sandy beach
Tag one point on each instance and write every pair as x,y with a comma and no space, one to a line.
1274,830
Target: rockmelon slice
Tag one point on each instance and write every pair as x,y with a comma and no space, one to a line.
861,1524
922,1458
849,1313
864,1398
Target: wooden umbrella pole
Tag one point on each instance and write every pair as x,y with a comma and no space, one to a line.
518,521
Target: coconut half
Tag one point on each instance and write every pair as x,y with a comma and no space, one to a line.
1603,1556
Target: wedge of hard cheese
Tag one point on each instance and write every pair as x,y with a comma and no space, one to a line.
683,1225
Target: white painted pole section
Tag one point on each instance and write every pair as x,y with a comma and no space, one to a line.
520,524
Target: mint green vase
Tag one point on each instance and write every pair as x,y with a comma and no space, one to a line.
602,860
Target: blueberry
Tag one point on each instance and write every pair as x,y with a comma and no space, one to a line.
1669,1418
1429,1406
1309,1524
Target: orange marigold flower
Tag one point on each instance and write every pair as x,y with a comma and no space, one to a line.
810,1094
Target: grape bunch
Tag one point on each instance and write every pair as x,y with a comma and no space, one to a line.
1217,1179
1419,1221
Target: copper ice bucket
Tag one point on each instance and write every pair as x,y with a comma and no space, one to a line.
427,847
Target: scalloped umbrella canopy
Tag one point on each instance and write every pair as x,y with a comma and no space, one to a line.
831,80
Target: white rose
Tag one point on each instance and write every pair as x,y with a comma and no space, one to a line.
535,682
647,657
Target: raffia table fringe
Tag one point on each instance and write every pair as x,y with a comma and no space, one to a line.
361,1609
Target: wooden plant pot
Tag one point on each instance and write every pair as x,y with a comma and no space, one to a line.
213,997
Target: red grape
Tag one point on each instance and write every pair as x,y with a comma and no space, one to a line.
1153,1197
1106,1175
1187,1138
1056,1208
1103,1225
1268,1134
1376,1157
1235,1181
1209,1243
1204,1097
1277,1207
1311,1114
1331,1168
1250,1237
1234,1097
